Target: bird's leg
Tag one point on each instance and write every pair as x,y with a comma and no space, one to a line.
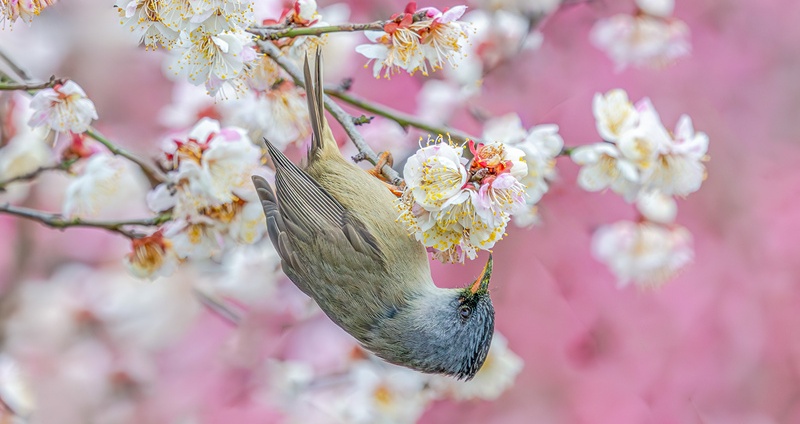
385,158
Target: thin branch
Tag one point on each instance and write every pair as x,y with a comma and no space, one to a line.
53,220
345,119
273,33
63,166
14,67
401,118
218,307
32,86
151,173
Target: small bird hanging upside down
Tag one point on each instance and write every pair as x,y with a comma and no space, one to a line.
335,228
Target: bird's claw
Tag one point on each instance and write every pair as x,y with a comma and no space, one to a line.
385,158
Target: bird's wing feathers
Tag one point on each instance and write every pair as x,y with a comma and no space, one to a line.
306,211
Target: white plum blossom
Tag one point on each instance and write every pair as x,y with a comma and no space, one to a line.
398,50
151,21
644,253
151,257
443,37
26,150
680,170
455,206
11,10
657,207
641,40
64,107
105,181
212,59
208,190
614,114
540,145
603,166
495,376
435,174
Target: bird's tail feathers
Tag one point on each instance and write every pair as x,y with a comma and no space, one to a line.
322,138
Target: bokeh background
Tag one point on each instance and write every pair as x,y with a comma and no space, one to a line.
718,344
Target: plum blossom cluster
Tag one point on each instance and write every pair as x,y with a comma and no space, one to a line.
207,38
650,37
541,145
417,40
644,163
457,206
63,108
209,196
11,10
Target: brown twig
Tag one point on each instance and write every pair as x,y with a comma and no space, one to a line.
29,86
274,33
58,221
63,166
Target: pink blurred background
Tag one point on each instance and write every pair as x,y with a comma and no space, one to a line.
718,344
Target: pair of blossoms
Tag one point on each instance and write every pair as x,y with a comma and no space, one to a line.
644,163
416,40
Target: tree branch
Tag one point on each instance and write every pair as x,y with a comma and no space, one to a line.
155,177
401,118
28,86
273,33
345,119
63,166
58,221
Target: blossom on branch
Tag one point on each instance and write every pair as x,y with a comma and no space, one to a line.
455,206
63,108
638,153
415,46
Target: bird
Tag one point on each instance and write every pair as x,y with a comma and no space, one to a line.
336,230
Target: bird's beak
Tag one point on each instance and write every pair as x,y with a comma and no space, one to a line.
482,283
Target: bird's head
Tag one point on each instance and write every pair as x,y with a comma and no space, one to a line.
442,331
474,322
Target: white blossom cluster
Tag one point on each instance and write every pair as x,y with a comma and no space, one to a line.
644,163
456,206
650,37
207,38
367,390
429,43
209,194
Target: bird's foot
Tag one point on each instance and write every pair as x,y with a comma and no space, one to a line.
385,158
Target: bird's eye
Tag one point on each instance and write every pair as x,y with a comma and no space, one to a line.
465,311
